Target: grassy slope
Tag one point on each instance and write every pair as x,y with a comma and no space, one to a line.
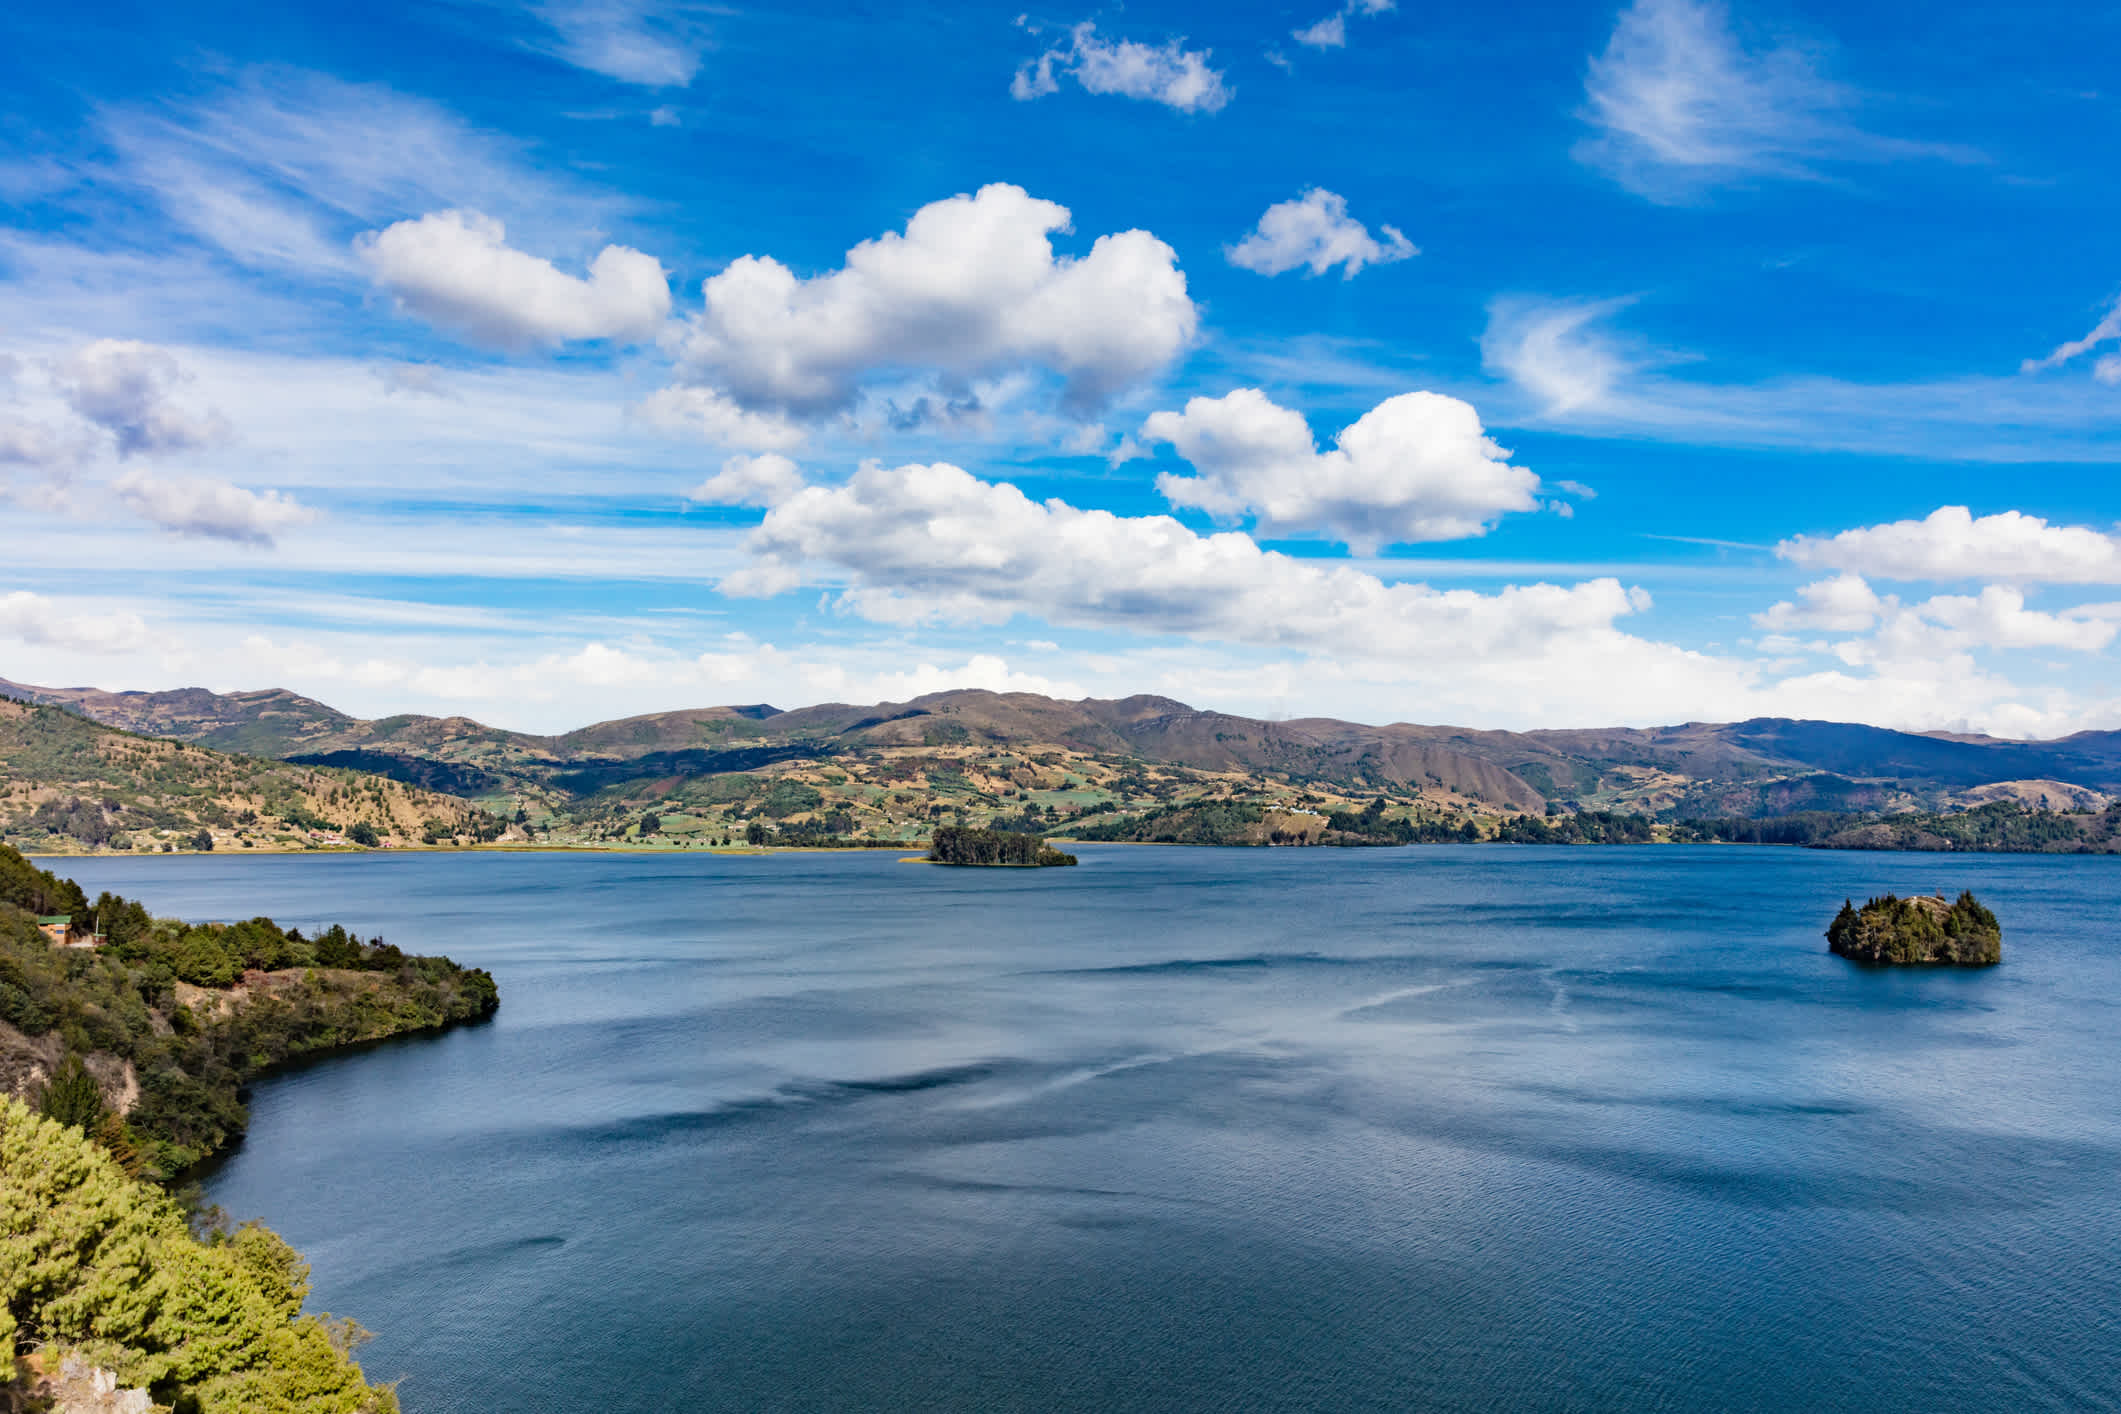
68,783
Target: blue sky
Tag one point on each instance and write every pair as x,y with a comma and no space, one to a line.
1563,365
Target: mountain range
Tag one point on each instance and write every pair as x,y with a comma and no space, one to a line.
1757,768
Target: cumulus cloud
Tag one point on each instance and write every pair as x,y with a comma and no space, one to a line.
34,619
714,418
1169,74
765,480
1554,350
1952,543
207,506
1843,604
1416,467
1315,230
456,269
2107,370
1998,618
128,389
924,543
654,46
1680,103
971,289
39,446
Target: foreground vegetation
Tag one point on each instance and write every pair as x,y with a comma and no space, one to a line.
1917,932
98,1266
148,1040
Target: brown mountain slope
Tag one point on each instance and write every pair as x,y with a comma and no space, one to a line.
1761,766
67,782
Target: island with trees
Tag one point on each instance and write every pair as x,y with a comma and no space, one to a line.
1923,931
953,844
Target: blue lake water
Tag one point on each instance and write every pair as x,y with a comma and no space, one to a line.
1432,1128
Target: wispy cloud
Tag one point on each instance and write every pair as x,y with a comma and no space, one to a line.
1575,372
280,168
2107,370
1681,104
1332,31
633,41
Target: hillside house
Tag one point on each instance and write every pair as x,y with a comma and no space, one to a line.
55,928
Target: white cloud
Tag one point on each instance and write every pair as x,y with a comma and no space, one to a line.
34,619
629,40
1680,103
456,269
1316,230
1416,467
2107,370
1169,74
1997,618
37,445
127,388
971,289
1576,372
1951,543
211,507
1329,33
829,681
936,543
282,167
1843,604
715,419
1332,31
1552,350
765,480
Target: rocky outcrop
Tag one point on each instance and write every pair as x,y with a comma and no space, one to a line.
77,1387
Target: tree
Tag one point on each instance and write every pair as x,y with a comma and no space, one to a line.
72,1096
650,824
364,834
203,841
95,1262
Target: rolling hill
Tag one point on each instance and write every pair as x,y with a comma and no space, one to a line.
887,770
68,782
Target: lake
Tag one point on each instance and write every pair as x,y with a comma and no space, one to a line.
1445,1128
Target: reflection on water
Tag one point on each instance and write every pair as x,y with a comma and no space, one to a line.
1453,1128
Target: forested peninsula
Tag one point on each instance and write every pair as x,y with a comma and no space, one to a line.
144,1031
125,1044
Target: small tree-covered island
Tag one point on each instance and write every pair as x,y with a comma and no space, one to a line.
125,1044
955,844
1923,931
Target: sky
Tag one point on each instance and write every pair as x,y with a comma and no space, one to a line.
1541,365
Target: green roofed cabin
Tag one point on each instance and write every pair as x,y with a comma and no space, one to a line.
56,927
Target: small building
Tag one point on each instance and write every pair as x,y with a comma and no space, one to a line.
55,927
